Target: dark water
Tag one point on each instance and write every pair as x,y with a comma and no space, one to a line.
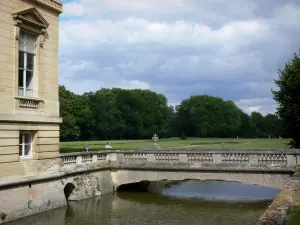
182,203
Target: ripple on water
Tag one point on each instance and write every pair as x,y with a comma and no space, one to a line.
153,209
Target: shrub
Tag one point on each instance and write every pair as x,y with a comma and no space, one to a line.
182,136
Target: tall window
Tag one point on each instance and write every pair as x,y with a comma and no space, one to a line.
25,148
27,43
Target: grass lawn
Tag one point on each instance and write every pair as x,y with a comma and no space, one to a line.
176,143
293,218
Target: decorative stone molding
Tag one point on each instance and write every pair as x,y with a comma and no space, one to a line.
31,20
10,118
51,4
28,103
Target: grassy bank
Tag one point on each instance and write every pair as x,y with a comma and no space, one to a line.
176,143
294,217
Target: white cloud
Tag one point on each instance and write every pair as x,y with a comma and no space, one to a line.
232,49
262,105
73,9
135,31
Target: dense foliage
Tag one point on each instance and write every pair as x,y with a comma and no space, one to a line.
137,114
288,98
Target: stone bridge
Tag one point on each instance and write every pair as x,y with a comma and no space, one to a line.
270,168
77,176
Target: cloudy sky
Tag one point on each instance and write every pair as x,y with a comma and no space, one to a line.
227,48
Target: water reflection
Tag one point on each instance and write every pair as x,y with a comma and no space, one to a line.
153,209
220,190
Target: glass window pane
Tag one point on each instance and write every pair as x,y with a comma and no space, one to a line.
29,79
22,41
27,138
30,59
21,59
20,150
30,39
27,150
21,138
21,80
21,46
22,36
29,48
29,92
21,91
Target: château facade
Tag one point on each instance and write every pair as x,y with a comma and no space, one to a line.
29,102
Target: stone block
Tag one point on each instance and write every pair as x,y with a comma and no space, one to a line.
9,141
9,134
46,134
47,155
9,150
9,158
30,199
48,141
48,148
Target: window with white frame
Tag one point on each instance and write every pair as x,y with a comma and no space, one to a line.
27,44
25,148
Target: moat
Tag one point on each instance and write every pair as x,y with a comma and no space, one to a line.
189,202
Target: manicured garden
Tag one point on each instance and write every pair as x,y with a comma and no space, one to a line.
189,143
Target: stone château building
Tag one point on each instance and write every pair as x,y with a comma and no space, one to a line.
29,104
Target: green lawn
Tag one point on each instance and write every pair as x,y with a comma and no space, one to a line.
293,217
176,143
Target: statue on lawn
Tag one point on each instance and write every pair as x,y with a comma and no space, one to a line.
155,140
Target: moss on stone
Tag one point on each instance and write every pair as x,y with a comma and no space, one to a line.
98,187
3,215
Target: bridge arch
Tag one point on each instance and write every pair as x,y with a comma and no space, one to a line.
273,180
68,189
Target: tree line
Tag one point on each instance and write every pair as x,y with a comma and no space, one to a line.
136,114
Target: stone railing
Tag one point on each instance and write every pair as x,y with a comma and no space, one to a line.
235,158
73,159
28,103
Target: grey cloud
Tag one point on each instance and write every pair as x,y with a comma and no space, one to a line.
182,69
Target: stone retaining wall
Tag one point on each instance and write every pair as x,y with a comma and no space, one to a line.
282,204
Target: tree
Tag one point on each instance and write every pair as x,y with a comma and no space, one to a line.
69,129
133,114
207,116
288,98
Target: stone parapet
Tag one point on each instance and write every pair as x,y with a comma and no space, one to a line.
216,159
282,204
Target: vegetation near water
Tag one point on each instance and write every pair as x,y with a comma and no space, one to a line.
294,217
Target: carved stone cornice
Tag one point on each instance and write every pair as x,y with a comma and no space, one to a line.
31,20
52,4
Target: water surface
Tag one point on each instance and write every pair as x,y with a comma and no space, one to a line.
183,203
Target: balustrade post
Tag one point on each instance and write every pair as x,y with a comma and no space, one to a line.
94,158
183,158
115,157
78,160
150,157
217,158
253,159
297,159
291,160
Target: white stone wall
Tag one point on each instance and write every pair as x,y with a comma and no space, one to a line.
43,121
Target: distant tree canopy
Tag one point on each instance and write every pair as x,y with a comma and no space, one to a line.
288,98
137,114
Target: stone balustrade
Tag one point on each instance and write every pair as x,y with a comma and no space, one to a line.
235,158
